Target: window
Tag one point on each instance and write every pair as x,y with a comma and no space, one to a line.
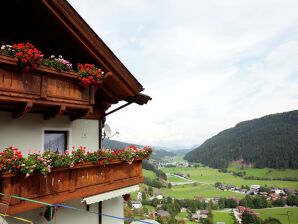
55,141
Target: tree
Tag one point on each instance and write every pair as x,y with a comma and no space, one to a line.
150,191
230,203
221,203
154,202
279,203
292,200
271,220
249,218
259,202
217,184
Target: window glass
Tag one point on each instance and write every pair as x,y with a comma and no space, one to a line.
55,141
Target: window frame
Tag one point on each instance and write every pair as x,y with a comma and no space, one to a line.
65,132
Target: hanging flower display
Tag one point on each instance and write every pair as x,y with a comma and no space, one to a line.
26,55
60,64
89,74
29,57
11,159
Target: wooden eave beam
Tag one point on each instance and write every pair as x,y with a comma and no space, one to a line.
25,109
81,114
92,43
53,113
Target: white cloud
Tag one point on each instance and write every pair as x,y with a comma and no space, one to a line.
207,64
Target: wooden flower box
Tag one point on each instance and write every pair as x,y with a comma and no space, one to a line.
43,90
63,184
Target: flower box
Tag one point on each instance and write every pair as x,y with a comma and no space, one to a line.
63,184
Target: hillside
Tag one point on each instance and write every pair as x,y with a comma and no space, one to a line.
270,141
158,153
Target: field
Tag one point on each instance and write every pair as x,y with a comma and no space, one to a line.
208,175
182,215
264,172
222,216
176,179
280,214
201,190
149,174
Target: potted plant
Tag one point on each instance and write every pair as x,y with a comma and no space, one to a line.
89,74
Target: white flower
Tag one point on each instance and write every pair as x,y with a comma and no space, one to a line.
52,56
2,47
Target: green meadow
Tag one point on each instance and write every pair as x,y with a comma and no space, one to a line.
267,172
149,174
190,191
280,214
222,216
176,179
208,175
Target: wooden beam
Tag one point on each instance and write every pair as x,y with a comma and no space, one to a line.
59,111
25,109
81,114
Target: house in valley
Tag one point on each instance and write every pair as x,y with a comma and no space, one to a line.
45,106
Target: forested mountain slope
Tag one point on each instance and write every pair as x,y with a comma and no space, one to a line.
270,141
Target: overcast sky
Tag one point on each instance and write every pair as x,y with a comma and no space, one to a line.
207,64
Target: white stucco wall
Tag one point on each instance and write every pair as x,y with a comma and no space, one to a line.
114,207
68,216
26,132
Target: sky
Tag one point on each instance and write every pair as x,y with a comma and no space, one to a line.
207,64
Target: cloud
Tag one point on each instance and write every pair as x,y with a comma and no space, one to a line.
207,64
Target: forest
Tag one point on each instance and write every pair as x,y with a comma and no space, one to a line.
269,141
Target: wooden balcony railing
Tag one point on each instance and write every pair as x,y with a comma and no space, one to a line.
43,90
63,184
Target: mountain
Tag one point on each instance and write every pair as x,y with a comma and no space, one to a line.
157,154
269,141
113,144
181,152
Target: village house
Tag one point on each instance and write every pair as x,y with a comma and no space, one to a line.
241,209
199,215
136,204
49,108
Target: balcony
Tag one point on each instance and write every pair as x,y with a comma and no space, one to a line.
63,184
43,90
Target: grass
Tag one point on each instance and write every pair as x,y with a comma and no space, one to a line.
182,215
277,213
201,191
267,172
176,179
149,174
211,176
222,216
149,207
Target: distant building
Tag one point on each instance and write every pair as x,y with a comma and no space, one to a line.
163,213
159,197
136,204
255,188
139,196
278,191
